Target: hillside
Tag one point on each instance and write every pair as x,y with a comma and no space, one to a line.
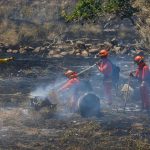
27,21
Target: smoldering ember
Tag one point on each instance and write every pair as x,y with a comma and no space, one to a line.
74,75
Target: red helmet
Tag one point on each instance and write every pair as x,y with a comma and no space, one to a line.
138,59
71,74
103,53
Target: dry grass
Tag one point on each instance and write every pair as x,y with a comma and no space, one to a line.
143,21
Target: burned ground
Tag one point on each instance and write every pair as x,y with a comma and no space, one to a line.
23,128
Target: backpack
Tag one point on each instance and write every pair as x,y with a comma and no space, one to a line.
115,73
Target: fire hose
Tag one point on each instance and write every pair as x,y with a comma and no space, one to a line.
83,71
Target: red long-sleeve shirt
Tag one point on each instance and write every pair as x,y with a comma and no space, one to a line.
142,72
70,83
106,68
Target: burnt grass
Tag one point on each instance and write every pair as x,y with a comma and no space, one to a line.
23,128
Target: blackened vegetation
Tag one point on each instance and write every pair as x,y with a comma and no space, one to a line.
37,103
21,128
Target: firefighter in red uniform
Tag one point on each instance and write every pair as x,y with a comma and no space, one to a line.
143,75
71,85
105,67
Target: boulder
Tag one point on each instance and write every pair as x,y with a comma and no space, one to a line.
78,54
88,45
15,51
93,51
125,51
57,56
71,52
108,44
53,52
80,45
22,51
64,53
9,51
43,49
77,51
116,49
37,49
30,48
84,53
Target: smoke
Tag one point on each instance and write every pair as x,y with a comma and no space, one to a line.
96,80
44,91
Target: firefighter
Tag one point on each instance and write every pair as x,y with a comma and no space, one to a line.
4,60
105,67
142,73
71,85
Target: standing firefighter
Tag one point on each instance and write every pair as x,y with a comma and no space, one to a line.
143,75
71,85
105,67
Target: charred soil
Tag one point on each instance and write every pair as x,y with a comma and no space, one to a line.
21,127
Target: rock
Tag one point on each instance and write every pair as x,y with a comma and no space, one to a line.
9,51
30,48
15,51
53,52
94,51
71,52
46,44
64,53
114,41
43,49
148,21
58,51
22,51
108,44
77,51
78,54
116,49
37,49
88,45
6,46
85,53
80,45
125,51
57,56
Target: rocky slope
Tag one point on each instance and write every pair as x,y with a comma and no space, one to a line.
27,21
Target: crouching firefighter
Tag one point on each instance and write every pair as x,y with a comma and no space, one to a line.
142,73
105,67
71,88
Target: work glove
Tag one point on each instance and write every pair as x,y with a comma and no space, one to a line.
98,63
131,74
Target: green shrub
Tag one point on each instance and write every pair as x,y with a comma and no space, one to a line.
91,9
